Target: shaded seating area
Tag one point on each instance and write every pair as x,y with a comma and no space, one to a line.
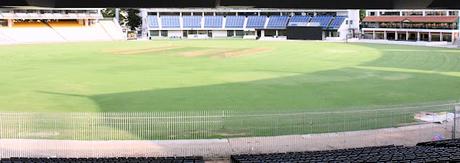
153,22
299,19
192,21
257,22
68,23
324,21
213,21
197,159
337,22
442,151
31,24
442,143
402,22
277,22
170,21
234,22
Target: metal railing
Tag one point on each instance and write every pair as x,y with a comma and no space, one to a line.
202,125
345,127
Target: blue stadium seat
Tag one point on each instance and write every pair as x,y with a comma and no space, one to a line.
257,22
170,21
192,21
322,20
277,22
234,22
213,21
337,22
297,20
153,21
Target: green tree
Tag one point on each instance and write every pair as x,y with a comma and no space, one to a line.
134,20
362,14
108,12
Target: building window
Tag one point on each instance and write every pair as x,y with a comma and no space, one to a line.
453,13
164,33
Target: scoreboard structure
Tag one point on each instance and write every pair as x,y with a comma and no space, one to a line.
305,31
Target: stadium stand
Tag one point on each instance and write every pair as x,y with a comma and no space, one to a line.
192,21
257,22
298,19
409,25
337,22
56,25
70,23
442,151
322,20
234,22
442,143
112,29
34,33
245,23
277,22
198,159
29,24
213,21
153,22
93,32
170,21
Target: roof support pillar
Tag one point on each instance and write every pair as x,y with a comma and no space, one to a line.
429,36
373,35
453,37
10,23
407,35
418,36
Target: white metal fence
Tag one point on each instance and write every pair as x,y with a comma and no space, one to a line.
215,133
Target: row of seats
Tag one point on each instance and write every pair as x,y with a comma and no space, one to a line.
442,143
258,22
197,159
437,151
447,151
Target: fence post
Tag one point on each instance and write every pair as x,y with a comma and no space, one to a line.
223,120
454,128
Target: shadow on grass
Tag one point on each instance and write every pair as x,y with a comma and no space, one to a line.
278,106
238,109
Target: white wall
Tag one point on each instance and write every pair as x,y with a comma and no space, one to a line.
352,16
113,29
219,34
177,33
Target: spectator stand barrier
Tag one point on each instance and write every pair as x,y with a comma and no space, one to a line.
220,133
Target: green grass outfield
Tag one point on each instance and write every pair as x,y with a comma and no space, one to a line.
244,78
232,75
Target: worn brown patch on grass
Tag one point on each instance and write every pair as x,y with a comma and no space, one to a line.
198,53
143,50
242,52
